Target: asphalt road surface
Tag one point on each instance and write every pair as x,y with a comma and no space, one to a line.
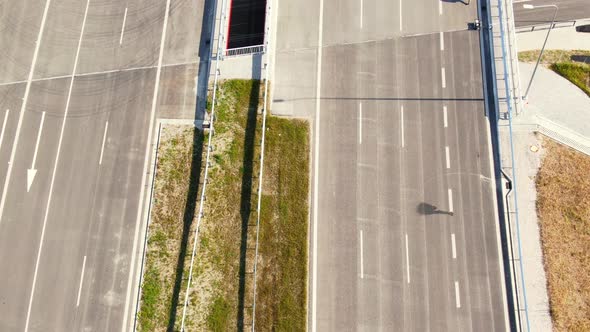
405,233
568,10
78,87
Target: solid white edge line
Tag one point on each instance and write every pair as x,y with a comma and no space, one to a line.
360,123
314,281
38,140
23,108
4,127
450,200
81,282
61,136
442,41
140,206
446,121
447,157
443,77
104,138
457,295
402,126
361,248
407,260
453,246
123,27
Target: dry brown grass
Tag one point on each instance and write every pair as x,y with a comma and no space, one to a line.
554,56
563,204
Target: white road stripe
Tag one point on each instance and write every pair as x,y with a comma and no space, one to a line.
443,77
140,206
453,246
23,108
407,260
450,200
361,247
402,126
446,122
360,123
81,282
361,14
400,15
442,41
123,27
104,138
61,136
316,158
440,11
4,127
457,295
447,157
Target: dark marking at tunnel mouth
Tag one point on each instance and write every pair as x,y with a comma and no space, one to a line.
246,23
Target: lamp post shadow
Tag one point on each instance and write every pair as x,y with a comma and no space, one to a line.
429,209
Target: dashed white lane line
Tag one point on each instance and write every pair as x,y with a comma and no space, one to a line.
360,123
81,282
402,126
123,27
361,248
104,138
443,77
4,126
361,14
446,122
400,15
442,41
407,260
453,246
451,200
142,195
447,157
61,136
23,108
440,11
457,295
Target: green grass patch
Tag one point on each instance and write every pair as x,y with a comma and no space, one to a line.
578,74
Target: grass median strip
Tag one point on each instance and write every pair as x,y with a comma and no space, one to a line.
563,206
222,291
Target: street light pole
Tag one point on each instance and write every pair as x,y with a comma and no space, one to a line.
528,6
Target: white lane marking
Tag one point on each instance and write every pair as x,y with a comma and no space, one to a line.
4,126
123,27
447,157
442,41
450,200
457,295
140,206
104,138
361,14
31,172
446,122
362,267
407,260
400,15
440,11
453,246
360,123
23,108
316,157
402,126
61,136
443,77
81,281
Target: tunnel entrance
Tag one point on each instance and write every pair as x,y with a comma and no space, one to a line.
246,25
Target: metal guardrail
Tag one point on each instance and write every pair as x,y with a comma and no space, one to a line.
563,135
248,50
221,38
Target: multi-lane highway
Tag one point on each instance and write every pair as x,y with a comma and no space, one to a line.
79,88
568,10
405,229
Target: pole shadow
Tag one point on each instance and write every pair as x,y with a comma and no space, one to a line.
429,209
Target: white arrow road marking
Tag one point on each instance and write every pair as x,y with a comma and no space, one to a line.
31,172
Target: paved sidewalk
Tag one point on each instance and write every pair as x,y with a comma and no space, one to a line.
559,39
